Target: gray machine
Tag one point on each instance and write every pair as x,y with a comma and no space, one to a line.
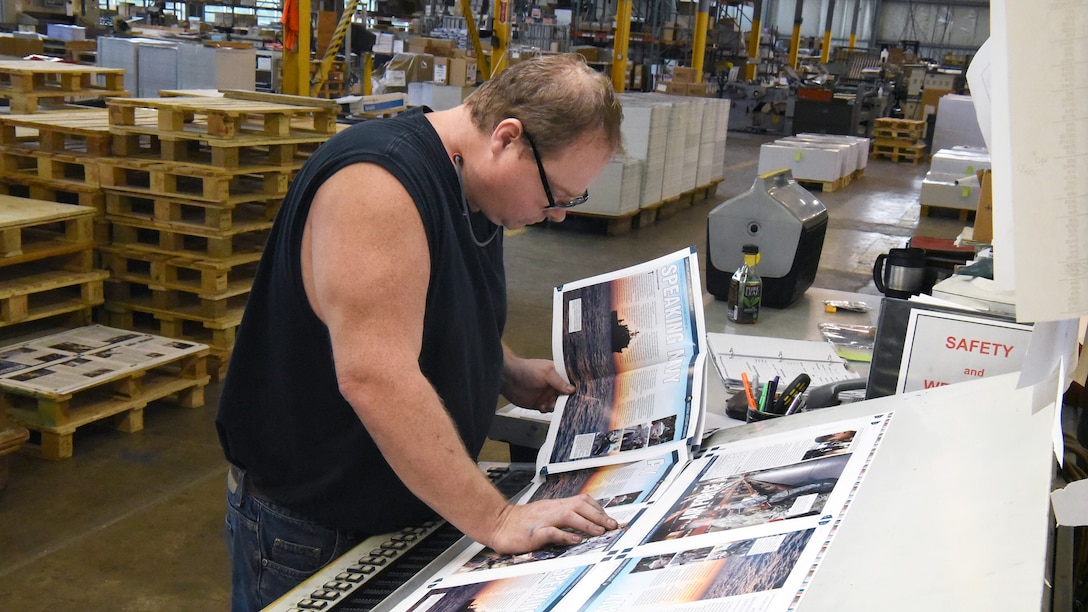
788,224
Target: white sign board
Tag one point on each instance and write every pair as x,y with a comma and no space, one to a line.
944,348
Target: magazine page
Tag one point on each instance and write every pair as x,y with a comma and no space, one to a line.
612,485
633,416
751,575
535,592
80,358
757,484
632,343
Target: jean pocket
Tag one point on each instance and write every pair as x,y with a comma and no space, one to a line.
292,547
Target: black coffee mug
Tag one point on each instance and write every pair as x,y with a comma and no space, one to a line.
900,273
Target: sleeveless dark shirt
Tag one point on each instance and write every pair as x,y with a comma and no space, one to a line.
281,416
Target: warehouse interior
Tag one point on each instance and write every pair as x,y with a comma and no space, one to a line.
155,140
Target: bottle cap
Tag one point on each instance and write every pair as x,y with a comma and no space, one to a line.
750,249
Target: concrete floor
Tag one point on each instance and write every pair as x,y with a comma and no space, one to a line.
135,521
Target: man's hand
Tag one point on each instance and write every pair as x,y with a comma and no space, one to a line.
532,383
523,528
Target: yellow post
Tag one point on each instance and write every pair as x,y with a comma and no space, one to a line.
621,43
296,64
854,24
795,41
825,51
368,71
698,45
501,41
474,36
753,41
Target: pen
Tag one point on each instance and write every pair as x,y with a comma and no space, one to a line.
794,405
770,404
748,391
794,389
763,397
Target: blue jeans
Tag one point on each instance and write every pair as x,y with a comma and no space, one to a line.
271,548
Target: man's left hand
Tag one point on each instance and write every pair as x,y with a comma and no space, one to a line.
533,383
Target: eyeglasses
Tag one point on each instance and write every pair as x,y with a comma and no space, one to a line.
544,181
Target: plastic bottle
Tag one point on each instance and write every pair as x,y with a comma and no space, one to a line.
746,288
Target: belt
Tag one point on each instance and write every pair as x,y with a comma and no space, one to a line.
236,477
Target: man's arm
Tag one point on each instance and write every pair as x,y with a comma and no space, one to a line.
366,267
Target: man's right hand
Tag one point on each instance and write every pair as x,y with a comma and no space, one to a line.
565,521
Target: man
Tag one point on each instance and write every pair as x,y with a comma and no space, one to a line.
369,361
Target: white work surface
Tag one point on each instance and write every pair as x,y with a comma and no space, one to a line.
528,428
954,512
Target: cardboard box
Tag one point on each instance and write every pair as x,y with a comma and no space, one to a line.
441,71
461,72
444,97
587,51
379,103
984,215
683,74
407,68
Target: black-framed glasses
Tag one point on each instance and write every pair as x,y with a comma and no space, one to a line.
544,181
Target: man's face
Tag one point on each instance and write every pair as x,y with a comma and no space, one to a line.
518,197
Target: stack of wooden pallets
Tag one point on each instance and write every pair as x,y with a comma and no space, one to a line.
54,156
191,198
47,267
899,139
26,84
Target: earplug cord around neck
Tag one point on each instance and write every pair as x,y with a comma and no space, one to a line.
457,162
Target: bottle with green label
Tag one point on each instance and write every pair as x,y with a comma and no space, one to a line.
746,288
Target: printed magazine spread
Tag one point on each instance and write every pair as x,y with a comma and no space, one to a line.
740,527
83,357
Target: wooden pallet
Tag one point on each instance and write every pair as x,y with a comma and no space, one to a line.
172,325
962,213
614,225
231,154
203,308
147,236
826,186
205,277
61,169
67,193
898,152
908,129
191,215
121,400
47,293
227,118
12,438
69,131
33,229
210,184
28,83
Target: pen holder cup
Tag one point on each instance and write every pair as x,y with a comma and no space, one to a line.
756,415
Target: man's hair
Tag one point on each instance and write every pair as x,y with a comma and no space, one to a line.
557,98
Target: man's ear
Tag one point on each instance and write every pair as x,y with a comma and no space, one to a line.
506,134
